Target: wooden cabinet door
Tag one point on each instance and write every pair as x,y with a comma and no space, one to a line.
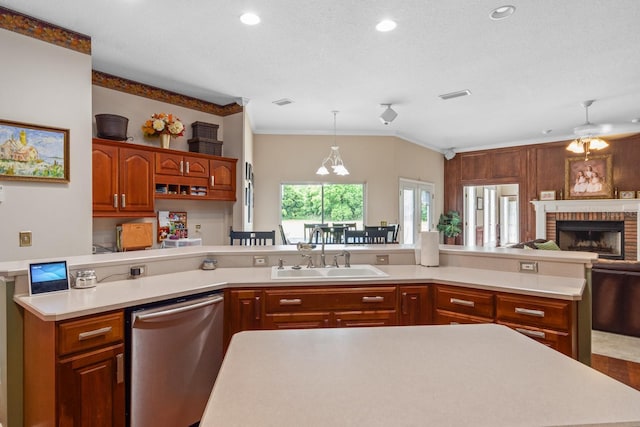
415,305
169,164
136,180
91,389
222,181
244,311
105,178
196,167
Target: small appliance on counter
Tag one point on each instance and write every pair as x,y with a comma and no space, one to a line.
179,243
85,279
209,264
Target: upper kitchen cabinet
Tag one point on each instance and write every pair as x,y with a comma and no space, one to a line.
122,180
177,164
222,181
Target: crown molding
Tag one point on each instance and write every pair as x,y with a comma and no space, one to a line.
44,31
131,87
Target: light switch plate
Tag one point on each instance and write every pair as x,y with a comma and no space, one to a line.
528,267
259,261
25,238
382,259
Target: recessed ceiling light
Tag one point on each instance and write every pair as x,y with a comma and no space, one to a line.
250,19
386,25
547,131
635,120
502,12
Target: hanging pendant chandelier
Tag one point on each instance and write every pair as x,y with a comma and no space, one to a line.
334,160
586,141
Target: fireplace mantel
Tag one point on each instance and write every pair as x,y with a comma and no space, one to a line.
544,207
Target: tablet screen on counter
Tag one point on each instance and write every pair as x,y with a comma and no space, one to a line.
48,277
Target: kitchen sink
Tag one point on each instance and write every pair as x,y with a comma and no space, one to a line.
353,272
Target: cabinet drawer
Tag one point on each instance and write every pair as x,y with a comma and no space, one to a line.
443,317
330,299
297,320
95,331
557,340
535,311
466,301
351,319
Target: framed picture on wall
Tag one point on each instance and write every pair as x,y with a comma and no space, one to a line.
547,195
33,153
590,178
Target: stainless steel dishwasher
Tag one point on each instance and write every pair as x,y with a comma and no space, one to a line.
175,350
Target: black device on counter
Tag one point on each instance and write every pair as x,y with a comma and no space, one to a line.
48,277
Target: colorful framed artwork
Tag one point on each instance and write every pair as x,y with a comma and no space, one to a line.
627,194
547,195
33,153
589,179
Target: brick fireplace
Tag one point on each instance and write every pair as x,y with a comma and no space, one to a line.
594,214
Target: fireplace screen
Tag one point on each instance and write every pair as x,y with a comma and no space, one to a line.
606,238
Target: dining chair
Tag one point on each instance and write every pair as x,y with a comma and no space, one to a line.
354,237
308,231
376,236
253,238
351,225
333,234
388,228
283,236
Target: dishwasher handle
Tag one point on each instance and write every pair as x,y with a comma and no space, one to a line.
170,311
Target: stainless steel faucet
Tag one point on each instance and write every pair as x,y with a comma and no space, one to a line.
323,259
347,259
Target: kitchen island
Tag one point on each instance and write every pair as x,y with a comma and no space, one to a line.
410,376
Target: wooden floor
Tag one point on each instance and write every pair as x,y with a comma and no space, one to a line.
622,370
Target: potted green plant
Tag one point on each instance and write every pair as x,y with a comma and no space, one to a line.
449,225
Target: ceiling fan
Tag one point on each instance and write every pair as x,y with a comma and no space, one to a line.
588,128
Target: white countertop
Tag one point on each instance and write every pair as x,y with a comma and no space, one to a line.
410,376
125,293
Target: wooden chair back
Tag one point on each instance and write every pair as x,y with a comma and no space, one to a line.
252,238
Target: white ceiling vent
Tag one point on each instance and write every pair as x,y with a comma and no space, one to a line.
282,102
457,94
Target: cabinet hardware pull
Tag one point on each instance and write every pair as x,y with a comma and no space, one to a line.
464,302
120,368
326,323
292,301
256,308
115,200
213,181
404,303
339,322
187,169
373,299
534,334
124,200
91,334
181,167
528,312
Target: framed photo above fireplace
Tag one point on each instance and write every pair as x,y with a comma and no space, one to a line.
627,194
589,179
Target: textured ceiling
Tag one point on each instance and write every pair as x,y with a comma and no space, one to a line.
527,74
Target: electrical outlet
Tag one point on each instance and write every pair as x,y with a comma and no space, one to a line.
382,259
259,261
528,267
137,271
25,238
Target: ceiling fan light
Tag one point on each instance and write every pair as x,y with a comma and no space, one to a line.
597,144
576,147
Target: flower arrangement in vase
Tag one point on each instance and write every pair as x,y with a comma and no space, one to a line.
163,125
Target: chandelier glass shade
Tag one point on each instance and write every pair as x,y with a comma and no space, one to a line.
333,160
585,144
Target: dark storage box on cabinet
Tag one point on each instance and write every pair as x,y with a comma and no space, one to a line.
198,145
207,131
205,139
111,126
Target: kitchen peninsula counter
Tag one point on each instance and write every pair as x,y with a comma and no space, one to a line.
481,375
130,292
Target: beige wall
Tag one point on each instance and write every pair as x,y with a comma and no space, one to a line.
47,85
377,161
214,218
